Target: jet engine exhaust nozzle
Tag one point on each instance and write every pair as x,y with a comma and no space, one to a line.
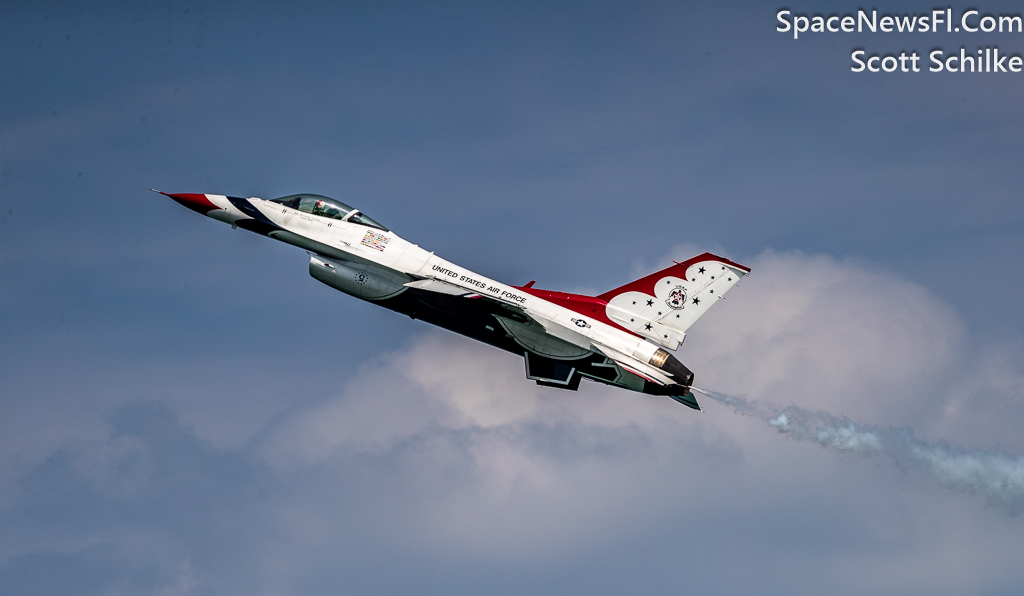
670,364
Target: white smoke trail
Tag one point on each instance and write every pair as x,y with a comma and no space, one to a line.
998,477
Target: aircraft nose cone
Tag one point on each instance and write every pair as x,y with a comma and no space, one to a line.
196,202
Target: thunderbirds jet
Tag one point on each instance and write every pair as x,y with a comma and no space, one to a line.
613,338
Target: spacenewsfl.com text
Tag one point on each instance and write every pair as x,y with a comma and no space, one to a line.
985,59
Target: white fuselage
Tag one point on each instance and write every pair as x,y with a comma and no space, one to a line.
337,239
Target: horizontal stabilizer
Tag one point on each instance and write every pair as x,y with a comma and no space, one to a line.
551,373
689,400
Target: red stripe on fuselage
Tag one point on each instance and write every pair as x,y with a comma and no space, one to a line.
588,306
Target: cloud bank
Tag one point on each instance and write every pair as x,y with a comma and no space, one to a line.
440,458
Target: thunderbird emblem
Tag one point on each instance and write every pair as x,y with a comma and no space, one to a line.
676,298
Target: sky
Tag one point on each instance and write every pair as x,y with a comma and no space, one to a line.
184,410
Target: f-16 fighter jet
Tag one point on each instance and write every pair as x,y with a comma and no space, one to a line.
619,338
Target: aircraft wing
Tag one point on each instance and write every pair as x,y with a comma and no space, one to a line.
540,336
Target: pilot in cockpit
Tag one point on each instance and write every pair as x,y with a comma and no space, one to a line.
326,207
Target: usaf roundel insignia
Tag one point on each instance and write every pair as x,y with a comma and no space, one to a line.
676,298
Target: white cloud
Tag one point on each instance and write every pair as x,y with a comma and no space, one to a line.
443,451
830,335
493,463
523,464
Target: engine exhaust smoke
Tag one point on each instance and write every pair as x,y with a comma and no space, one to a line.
997,477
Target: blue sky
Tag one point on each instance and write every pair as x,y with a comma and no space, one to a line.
186,411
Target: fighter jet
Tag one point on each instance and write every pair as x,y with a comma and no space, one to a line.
618,338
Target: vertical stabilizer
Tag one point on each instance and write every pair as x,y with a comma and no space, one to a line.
663,305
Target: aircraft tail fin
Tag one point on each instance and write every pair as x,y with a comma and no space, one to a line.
663,305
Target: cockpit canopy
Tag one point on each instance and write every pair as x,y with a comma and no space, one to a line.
327,207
